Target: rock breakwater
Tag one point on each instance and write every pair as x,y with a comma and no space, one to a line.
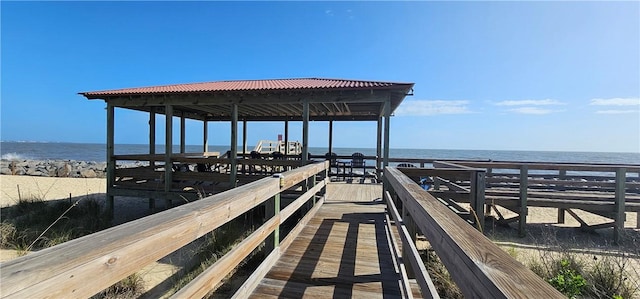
54,168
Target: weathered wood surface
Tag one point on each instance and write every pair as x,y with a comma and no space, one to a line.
479,267
341,253
113,254
550,166
412,255
117,252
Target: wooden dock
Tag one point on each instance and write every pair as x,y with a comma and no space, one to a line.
342,252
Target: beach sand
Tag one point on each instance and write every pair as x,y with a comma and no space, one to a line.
542,229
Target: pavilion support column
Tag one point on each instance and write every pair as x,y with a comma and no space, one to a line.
330,137
244,138
152,148
379,150
387,127
182,134
286,137
168,151
305,132
385,182
234,145
111,163
205,136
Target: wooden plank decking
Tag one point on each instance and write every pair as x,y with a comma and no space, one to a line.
343,252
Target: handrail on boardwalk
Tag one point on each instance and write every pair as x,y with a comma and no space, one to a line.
85,266
480,268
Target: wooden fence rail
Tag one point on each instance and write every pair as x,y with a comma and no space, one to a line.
479,267
606,190
85,266
463,185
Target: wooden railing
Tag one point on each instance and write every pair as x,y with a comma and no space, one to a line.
83,267
210,173
453,184
270,146
479,267
341,166
601,189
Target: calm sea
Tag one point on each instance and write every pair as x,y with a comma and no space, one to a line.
97,152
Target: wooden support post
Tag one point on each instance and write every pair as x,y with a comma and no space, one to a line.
183,134
385,160
411,228
387,128
111,163
522,202
244,137
562,175
168,151
205,136
621,180
330,137
234,145
477,198
272,208
305,132
379,149
286,137
152,148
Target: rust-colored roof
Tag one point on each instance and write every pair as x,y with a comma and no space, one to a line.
251,85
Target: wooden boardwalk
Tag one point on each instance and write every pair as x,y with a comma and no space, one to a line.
343,252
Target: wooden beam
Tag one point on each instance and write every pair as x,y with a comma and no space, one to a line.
111,163
479,267
379,148
152,148
387,128
244,137
168,150
205,136
182,134
330,136
305,132
522,201
340,97
200,286
286,137
234,144
116,253
621,179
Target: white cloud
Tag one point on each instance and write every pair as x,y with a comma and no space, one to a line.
617,111
432,107
616,102
533,110
544,102
329,12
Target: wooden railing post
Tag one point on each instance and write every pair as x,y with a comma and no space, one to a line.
621,179
476,199
562,175
272,208
407,219
522,201
111,162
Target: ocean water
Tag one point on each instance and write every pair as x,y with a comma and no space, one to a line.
97,153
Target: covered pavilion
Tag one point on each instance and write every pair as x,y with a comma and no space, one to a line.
301,99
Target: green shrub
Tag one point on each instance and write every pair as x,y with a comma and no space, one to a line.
567,281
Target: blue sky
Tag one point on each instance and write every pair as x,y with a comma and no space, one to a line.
557,76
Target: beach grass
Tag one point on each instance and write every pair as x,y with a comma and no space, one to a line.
33,223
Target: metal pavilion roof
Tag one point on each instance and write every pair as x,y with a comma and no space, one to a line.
274,99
